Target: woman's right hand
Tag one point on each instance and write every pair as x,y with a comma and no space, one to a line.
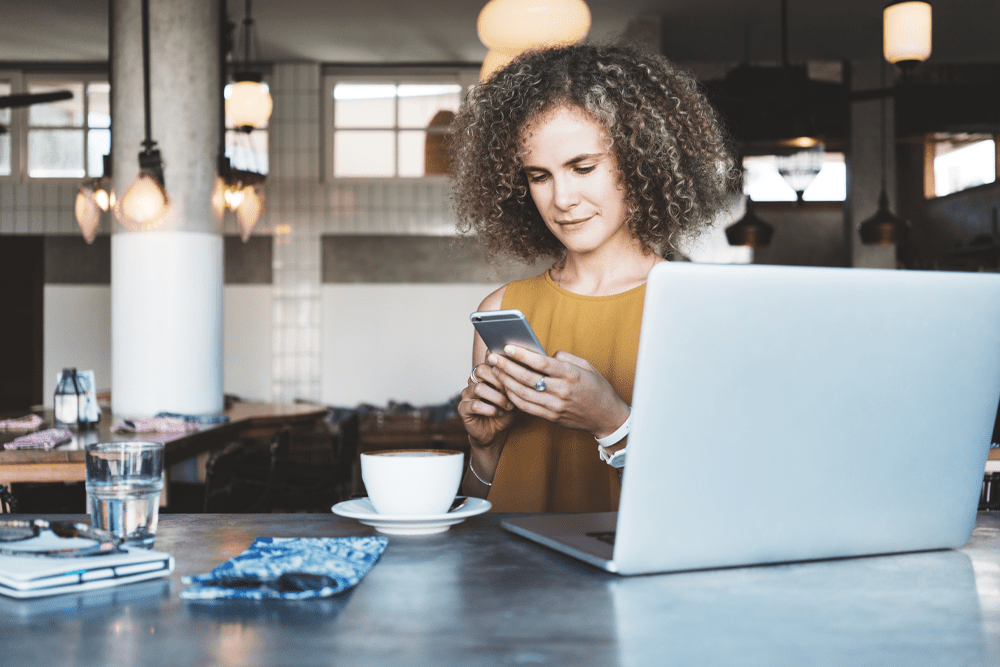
485,410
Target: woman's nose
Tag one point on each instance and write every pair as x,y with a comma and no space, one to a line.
565,194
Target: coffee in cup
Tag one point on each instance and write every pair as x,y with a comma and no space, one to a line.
412,482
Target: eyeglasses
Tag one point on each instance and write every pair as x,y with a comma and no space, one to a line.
103,542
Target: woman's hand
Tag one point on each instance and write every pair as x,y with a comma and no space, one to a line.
575,395
484,408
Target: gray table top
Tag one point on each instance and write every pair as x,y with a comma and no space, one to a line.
477,595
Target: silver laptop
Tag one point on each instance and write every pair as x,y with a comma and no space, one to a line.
788,413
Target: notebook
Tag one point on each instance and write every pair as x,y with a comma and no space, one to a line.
30,576
791,413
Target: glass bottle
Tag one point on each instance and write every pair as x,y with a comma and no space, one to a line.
69,400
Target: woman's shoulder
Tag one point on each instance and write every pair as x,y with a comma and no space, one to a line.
494,300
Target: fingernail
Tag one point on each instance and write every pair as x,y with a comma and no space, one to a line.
492,359
509,350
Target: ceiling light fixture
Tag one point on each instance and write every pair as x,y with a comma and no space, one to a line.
906,36
750,230
235,189
883,228
145,204
95,196
509,27
249,102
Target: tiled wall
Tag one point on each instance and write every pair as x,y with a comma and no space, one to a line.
301,208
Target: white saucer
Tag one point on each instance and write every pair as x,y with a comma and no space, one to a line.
362,510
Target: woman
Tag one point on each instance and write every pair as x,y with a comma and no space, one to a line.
602,158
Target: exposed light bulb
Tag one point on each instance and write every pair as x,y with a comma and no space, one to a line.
144,205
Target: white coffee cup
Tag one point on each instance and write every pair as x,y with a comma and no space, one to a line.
412,482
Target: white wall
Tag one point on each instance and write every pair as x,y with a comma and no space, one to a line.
78,333
247,341
408,343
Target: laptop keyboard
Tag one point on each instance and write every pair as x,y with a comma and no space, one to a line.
607,536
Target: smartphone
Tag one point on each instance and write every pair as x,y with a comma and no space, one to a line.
498,328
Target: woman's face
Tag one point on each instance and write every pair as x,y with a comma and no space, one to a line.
573,180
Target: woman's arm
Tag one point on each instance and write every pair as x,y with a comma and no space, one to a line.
486,413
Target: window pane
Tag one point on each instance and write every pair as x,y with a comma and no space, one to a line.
959,165
762,182
98,145
55,153
420,104
64,113
364,105
412,153
360,153
5,113
247,151
99,105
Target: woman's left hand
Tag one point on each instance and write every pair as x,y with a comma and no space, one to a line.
575,395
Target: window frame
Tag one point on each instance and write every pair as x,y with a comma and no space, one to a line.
464,76
18,129
929,153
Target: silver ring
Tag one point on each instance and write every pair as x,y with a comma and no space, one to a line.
472,375
540,385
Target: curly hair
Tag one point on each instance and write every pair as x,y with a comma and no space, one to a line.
673,158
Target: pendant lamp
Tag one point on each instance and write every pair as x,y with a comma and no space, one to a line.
906,33
883,228
235,190
249,102
509,27
750,230
145,205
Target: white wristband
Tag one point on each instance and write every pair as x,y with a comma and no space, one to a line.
618,435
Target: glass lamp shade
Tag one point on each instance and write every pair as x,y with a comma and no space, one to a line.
249,104
249,210
144,205
88,213
906,36
495,59
516,25
219,198
799,169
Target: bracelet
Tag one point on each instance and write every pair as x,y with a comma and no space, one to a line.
481,480
618,435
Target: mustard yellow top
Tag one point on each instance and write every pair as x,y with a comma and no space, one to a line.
549,468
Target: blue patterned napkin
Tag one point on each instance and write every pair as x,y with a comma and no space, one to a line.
289,568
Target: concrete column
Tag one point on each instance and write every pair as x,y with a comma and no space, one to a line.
864,164
166,284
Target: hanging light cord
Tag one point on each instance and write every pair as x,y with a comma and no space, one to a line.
882,124
148,143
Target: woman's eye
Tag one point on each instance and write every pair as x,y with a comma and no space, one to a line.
585,170
537,178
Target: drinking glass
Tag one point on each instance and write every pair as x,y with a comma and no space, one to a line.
124,482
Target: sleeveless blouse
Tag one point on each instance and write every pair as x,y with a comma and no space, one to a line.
549,468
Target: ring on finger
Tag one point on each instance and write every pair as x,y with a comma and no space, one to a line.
472,375
540,385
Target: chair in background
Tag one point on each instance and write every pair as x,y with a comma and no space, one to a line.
8,503
299,470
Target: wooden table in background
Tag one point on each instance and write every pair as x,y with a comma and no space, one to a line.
65,463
